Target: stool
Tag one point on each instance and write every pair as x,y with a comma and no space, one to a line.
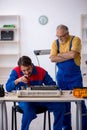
16,108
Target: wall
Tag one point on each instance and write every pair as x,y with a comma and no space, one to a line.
36,36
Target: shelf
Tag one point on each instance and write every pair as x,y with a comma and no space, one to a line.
83,54
85,41
84,20
1,28
84,28
84,48
9,54
9,41
6,67
9,49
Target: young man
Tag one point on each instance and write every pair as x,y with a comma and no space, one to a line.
66,53
27,74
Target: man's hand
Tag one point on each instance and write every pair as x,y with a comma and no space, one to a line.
22,79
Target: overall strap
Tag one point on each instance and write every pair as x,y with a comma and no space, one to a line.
58,45
71,42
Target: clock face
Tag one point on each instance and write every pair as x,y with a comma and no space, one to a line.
43,20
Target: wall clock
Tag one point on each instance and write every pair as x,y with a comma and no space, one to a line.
43,19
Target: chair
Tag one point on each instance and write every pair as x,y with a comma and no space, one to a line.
16,108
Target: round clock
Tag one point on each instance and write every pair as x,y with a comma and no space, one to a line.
43,19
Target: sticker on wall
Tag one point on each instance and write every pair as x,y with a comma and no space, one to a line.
43,20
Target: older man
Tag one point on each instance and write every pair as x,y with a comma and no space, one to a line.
66,53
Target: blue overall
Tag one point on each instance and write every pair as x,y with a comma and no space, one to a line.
30,113
68,77
39,76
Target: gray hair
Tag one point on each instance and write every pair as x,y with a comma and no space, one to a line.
63,27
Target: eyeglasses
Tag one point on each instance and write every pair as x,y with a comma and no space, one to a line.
62,36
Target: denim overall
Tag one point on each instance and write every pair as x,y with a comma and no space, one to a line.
68,77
